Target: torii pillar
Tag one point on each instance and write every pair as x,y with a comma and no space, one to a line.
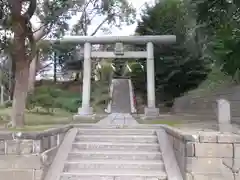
86,108
151,110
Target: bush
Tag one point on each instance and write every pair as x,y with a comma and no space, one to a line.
100,95
50,97
8,104
68,104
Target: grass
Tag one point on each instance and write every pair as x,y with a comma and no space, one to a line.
87,120
157,121
170,121
32,128
216,80
39,121
33,118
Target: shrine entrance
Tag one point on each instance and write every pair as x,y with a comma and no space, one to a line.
119,52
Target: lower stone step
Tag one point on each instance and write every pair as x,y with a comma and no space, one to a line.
117,175
113,164
118,138
110,131
79,146
114,155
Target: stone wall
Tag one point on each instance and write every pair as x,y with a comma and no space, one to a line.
26,156
206,105
206,155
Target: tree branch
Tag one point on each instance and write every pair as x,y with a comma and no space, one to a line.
82,19
99,26
31,9
32,42
45,28
43,68
40,32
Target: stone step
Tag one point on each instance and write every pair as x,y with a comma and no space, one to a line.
115,175
110,131
118,138
112,165
116,155
79,146
121,97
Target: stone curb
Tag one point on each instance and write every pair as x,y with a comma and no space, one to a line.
36,135
204,136
168,155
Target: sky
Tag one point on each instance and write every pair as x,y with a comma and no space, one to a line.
129,30
126,30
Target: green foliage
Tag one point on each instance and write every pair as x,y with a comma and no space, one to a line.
105,72
113,12
216,80
179,67
50,98
226,47
8,104
138,79
69,101
67,57
100,95
218,23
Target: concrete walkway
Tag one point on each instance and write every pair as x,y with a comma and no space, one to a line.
118,119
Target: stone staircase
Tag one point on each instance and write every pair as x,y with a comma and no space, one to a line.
111,154
121,96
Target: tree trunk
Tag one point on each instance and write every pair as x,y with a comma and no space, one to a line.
20,92
20,58
32,74
55,67
13,78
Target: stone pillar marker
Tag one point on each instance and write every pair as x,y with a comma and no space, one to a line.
151,110
224,115
86,90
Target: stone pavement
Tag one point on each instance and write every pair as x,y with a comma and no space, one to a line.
118,119
121,96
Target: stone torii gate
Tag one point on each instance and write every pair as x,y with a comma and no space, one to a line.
88,41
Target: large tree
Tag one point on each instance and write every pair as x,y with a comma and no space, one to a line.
15,19
108,13
177,67
22,38
217,23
